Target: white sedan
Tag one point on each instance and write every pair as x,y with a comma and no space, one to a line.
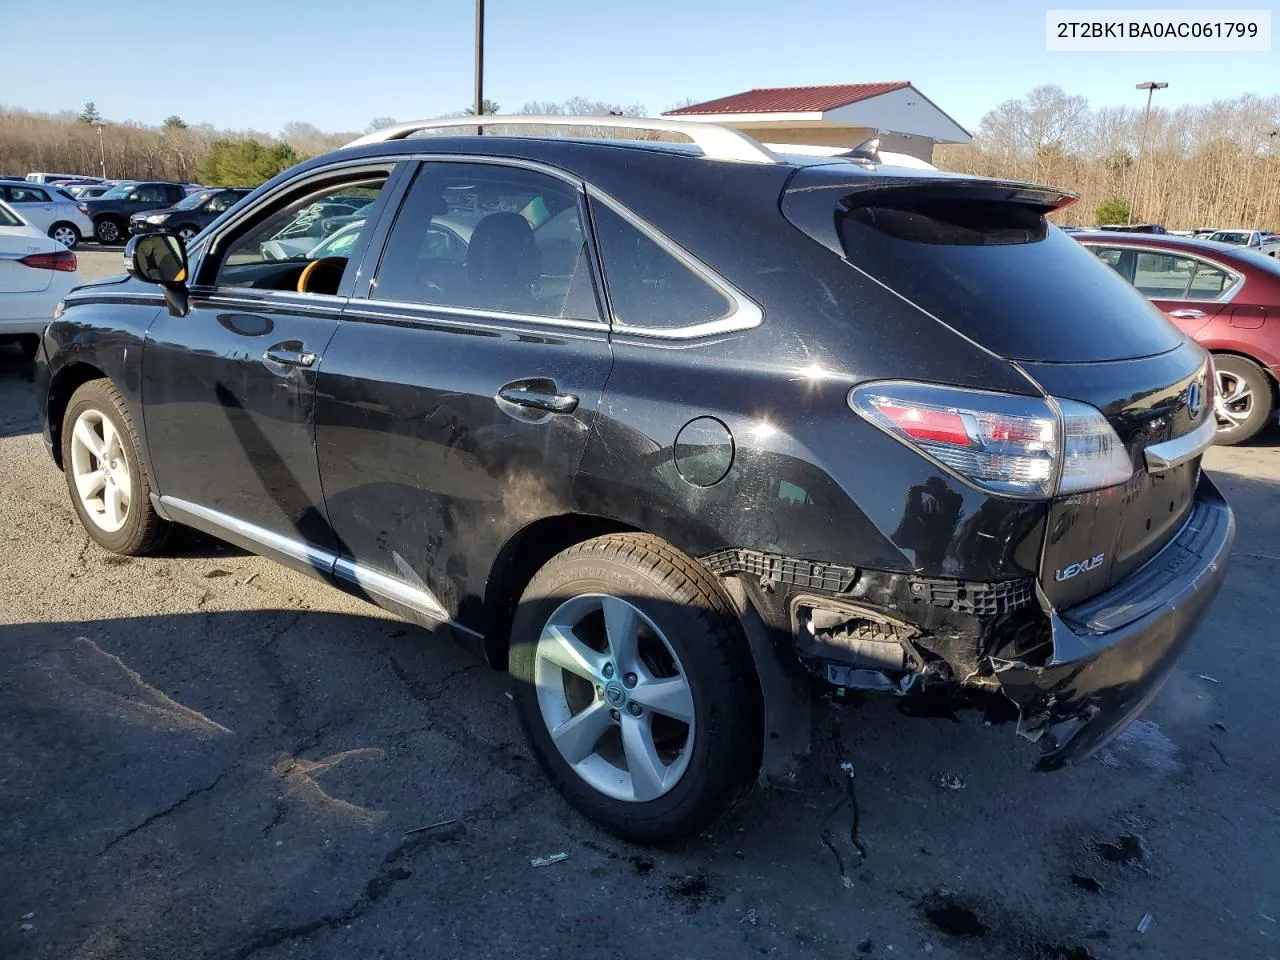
56,213
36,272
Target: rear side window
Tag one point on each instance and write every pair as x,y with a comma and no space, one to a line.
26,195
648,286
487,237
151,193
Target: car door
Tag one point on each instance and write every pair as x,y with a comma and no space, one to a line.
1189,290
33,202
459,390
229,388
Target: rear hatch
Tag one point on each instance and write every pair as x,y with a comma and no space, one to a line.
980,257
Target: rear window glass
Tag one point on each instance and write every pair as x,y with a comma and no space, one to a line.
649,287
1001,275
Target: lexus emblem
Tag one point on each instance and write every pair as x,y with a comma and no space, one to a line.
1195,400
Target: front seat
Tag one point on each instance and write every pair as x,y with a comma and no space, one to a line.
503,262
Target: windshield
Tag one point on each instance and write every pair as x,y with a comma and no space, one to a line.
194,200
118,192
1239,239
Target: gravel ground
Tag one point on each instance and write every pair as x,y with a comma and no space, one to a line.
205,755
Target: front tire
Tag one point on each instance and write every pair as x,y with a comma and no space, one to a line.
108,230
65,233
635,687
1243,399
108,487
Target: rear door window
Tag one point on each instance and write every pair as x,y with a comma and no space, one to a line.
26,195
648,286
1163,276
487,237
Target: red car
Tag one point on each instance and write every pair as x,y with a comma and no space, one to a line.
1227,298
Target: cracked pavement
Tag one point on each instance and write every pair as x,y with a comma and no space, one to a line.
204,755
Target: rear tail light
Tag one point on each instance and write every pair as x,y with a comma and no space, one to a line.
83,208
1018,446
60,260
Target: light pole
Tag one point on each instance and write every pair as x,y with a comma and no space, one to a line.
102,151
1271,149
479,62
1151,87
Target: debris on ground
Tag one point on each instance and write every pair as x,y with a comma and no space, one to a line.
1086,882
547,861
432,826
1219,725
508,694
249,579
847,775
949,781
29,916
1205,676
1144,923
1128,847
217,572
1266,918
27,927
1221,756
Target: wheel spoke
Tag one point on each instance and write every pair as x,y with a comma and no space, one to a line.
577,737
669,696
89,484
643,763
559,646
622,626
1227,415
110,440
86,435
115,509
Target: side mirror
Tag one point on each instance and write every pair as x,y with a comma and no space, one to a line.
161,258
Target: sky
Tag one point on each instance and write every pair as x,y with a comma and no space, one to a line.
338,63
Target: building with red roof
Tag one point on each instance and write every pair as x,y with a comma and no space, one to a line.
838,115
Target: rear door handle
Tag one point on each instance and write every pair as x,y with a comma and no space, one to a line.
291,358
540,394
1188,314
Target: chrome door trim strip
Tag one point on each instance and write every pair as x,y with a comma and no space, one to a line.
321,560
418,599
370,307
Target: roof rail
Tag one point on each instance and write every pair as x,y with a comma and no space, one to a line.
716,142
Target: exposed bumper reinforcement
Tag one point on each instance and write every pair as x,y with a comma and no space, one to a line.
1112,653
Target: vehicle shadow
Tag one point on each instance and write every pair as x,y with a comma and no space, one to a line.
17,395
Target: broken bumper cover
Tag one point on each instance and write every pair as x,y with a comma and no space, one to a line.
1112,654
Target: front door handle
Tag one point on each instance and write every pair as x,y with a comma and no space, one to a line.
540,394
291,358
1188,314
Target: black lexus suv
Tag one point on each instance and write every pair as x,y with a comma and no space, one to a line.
667,432
189,215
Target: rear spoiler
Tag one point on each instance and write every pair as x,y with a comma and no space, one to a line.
816,194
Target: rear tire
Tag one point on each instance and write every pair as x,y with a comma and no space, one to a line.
1243,399
647,776
108,230
65,233
109,489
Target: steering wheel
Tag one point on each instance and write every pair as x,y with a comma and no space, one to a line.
326,272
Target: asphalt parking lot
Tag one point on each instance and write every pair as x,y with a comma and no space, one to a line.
205,755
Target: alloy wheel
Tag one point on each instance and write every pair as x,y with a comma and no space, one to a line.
1232,401
614,697
186,233
108,232
101,471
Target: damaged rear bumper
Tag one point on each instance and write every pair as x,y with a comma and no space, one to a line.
1112,653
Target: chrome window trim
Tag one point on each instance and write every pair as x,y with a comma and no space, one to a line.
359,308
1225,297
744,313
271,298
